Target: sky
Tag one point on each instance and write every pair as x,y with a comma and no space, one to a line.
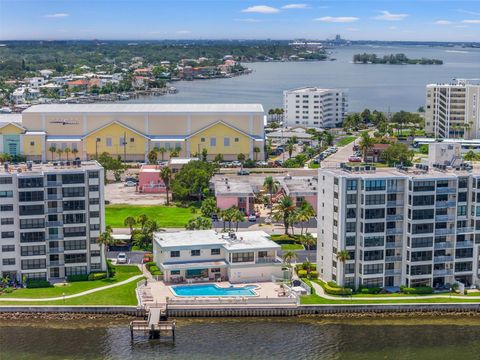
421,20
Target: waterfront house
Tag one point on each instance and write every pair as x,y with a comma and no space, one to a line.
234,193
206,255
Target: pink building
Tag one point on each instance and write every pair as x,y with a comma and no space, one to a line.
235,193
149,180
301,188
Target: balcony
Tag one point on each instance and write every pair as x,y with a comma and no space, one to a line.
446,190
441,259
443,245
54,237
53,223
57,250
393,258
394,217
444,231
444,272
464,244
465,230
445,204
395,231
54,183
54,196
393,245
54,210
394,189
394,203
391,272
268,260
445,218
55,263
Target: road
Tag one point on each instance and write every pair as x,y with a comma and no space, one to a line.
341,156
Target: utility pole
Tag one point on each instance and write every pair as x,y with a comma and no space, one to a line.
125,147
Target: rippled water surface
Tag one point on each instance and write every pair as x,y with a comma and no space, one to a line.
272,338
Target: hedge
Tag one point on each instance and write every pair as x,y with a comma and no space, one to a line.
365,290
333,289
149,264
80,277
313,274
35,284
97,276
416,290
302,273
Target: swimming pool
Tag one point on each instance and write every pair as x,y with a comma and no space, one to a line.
213,290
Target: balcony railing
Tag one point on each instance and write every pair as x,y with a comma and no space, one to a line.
393,245
56,250
444,217
54,196
54,237
54,183
441,259
394,231
56,263
53,223
393,258
394,203
443,245
393,272
55,210
443,204
394,217
444,272
268,260
465,230
464,244
444,231
446,190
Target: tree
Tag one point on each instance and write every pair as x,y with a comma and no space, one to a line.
470,156
106,240
152,157
130,222
67,151
228,215
290,148
193,180
397,153
241,157
59,153
218,158
237,216
162,152
289,256
74,152
272,186
308,240
199,223
209,207
204,154
166,176
366,143
304,213
256,151
343,256
283,209
52,150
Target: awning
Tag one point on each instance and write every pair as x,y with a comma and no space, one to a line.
194,265
64,138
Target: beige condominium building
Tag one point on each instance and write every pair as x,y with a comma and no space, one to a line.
132,130
453,110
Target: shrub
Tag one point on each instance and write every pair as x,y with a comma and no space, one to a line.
416,290
80,277
313,267
299,267
97,276
149,264
366,290
336,290
8,290
36,284
332,284
302,273
111,268
313,274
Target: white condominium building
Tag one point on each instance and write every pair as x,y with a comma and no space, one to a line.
413,227
453,110
314,107
51,217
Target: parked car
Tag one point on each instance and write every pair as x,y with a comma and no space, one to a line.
236,163
354,159
130,178
278,163
130,184
356,147
214,217
243,172
262,163
252,218
122,258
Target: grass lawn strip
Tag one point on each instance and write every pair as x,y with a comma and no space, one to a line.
292,247
165,216
345,141
122,273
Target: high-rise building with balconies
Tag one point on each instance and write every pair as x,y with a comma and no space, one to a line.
51,217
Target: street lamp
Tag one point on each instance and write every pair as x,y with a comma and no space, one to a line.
97,140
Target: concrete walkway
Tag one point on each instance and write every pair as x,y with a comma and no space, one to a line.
320,292
133,278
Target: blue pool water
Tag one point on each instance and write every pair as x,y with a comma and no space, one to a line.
213,290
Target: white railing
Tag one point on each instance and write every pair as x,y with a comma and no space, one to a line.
233,301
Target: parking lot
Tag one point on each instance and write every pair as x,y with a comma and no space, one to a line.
118,193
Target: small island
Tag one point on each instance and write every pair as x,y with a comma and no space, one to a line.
392,59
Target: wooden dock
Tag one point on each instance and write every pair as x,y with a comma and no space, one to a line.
155,325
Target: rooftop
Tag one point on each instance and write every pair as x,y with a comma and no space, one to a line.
311,89
234,188
249,240
181,161
57,167
145,108
300,185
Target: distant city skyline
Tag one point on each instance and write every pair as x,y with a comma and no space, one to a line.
420,20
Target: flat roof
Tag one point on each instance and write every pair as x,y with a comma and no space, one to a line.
250,240
193,264
145,108
233,188
6,118
181,161
37,169
396,173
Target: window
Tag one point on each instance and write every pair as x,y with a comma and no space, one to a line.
8,207
73,192
10,261
93,188
215,252
373,241
378,199
94,214
132,140
5,180
226,141
6,194
73,178
374,185
175,253
94,201
213,141
26,237
422,242
75,245
463,266
74,231
30,182
421,256
242,257
109,142
93,175
7,221
202,139
8,234
34,264
373,255
423,200
194,252
422,228
8,248
75,258
74,205
32,223
421,270
75,270
237,139
374,227
94,226
74,218
351,185
94,253
32,250
373,269
174,272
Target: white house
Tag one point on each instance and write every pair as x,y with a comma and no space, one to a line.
208,256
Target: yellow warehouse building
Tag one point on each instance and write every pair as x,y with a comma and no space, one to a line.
132,130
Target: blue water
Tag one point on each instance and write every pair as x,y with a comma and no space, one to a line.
213,290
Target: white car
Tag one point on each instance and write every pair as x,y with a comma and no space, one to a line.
122,258
252,218
130,184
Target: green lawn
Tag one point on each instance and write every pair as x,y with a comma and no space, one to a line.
315,299
345,141
120,295
311,165
122,273
166,217
290,247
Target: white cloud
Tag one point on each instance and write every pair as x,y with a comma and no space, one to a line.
57,15
443,22
469,12
261,9
295,6
388,16
183,32
472,21
352,29
392,28
339,19
249,20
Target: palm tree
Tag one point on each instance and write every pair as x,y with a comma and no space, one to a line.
237,217
166,176
106,239
162,152
130,222
152,157
284,209
74,152
271,185
304,213
289,256
366,143
52,150
256,151
290,148
343,256
241,157
59,153
142,220
67,151
308,241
